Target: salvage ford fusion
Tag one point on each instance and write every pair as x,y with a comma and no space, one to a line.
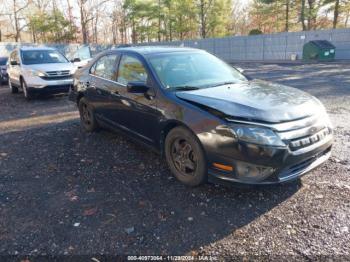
207,118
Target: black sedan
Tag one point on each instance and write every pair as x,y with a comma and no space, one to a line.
3,70
207,118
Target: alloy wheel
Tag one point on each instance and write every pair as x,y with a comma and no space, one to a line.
183,157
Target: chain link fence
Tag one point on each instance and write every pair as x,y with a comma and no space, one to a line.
274,47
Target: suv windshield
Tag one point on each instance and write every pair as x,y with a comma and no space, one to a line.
192,70
3,61
31,57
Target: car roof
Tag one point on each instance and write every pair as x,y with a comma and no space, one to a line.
25,48
149,50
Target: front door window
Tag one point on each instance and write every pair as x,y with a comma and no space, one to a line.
131,69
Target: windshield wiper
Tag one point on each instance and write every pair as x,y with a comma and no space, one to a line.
184,88
225,83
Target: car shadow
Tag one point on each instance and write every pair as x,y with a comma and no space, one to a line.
16,107
64,190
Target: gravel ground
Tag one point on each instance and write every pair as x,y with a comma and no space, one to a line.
63,191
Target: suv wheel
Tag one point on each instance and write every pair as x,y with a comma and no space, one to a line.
14,90
185,157
87,116
26,92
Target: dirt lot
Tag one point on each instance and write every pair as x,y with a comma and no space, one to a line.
63,191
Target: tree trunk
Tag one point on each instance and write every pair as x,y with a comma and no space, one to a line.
336,14
83,22
133,31
347,19
17,34
302,15
170,31
202,18
159,20
71,19
310,17
287,16
95,28
33,34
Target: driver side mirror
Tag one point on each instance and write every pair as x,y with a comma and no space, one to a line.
76,60
137,87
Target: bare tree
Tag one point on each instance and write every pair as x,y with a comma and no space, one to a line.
87,15
16,15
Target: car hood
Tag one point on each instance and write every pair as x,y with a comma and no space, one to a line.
51,67
256,100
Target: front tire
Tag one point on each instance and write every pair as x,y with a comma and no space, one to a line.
14,90
185,157
87,116
26,92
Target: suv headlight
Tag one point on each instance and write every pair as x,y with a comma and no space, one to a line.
32,72
257,135
73,70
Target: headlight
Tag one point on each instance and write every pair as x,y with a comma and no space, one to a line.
32,72
72,71
326,118
257,135
323,114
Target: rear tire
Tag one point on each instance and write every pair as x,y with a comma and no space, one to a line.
14,90
185,157
87,116
26,92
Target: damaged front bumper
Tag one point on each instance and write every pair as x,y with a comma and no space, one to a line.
306,147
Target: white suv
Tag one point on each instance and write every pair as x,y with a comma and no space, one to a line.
39,70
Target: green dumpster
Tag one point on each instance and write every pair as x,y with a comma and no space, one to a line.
320,50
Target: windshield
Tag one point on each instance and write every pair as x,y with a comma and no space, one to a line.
3,61
193,70
31,57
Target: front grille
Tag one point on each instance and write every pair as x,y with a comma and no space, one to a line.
58,73
303,133
63,77
296,144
